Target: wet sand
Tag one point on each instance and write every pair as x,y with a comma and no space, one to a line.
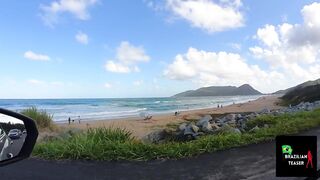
140,127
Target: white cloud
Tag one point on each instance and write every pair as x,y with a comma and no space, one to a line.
129,54
268,35
292,49
78,8
127,57
117,67
36,57
221,68
138,83
107,85
212,16
82,38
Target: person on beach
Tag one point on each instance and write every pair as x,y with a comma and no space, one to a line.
218,106
79,119
69,120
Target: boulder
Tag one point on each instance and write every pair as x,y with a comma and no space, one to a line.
155,136
232,123
203,120
188,130
214,126
242,124
206,127
265,111
238,116
194,128
182,127
189,133
230,117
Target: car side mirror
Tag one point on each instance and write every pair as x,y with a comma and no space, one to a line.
18,135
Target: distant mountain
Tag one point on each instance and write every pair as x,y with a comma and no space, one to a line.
306,92
299,94
305,84
245,89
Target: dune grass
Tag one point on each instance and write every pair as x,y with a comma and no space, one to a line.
118,144
42,119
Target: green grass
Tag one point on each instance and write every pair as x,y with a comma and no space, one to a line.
117,144
42,118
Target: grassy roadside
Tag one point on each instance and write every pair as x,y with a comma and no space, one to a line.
117,144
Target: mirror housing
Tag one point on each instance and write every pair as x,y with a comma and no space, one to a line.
30,140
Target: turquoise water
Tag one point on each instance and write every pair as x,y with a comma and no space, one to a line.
97,109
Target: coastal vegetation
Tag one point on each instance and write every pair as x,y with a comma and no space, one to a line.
42,119
118,144
302,94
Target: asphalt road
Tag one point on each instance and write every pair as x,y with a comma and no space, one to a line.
255,161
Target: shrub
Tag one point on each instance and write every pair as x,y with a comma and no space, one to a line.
41,117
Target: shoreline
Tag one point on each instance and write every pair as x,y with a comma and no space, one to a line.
151,110
140,127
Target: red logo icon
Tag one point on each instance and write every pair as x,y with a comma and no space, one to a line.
309,159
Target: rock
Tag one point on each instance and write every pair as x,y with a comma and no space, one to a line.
252,115
242,124
206,127
214,126
190,133
238,116
182,127
203,120
194,128
217,120
230,117
201,133
254,129
309,108
265,111
155,137
188,130
232,122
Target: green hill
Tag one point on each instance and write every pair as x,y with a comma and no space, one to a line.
245,89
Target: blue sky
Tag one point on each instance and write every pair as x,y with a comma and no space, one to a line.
144,48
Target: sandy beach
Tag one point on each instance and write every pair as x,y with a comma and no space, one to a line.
140,127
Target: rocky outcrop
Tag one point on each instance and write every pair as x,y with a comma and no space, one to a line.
230,123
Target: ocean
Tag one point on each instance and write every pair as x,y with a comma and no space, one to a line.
115,108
